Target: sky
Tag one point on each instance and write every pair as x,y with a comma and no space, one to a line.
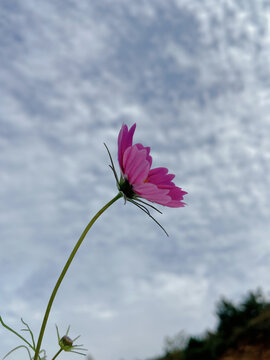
194,76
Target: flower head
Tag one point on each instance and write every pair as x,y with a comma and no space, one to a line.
139,181
66,343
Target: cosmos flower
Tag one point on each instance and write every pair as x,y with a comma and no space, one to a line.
139,181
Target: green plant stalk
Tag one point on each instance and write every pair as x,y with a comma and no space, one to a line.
14,332
55,356
63,273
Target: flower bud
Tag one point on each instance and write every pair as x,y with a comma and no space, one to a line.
66,343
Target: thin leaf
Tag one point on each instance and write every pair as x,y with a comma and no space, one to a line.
112,164
76,339
28,329
58,336
76,352
68,330
142,207
78,347
14,332
45,355
16,348
148,213
153,207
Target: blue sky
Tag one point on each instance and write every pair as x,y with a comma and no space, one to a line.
194,76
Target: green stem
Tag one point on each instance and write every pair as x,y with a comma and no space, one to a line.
55,356
14,332
63,273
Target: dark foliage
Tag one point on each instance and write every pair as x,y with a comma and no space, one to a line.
247,322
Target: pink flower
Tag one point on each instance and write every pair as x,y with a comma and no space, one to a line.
138,180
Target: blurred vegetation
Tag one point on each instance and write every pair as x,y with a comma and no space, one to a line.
245,323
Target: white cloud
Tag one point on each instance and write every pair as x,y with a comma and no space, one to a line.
194,76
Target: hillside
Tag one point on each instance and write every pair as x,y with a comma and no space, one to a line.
242,333
248,352
253,342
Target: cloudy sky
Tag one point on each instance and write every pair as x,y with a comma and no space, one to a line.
194,76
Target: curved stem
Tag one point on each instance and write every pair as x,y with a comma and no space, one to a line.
62,275
14,332
55,356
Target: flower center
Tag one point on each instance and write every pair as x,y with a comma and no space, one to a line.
126,188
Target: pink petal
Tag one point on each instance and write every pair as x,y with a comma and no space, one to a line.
125,138
152,193
159,170
160,176
175,204
135,164
176,194
147,148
